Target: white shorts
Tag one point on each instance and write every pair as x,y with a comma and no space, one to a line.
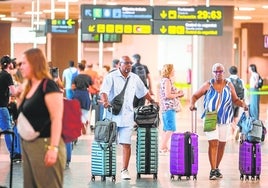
124,135
221,133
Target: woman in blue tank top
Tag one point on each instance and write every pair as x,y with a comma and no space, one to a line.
219,94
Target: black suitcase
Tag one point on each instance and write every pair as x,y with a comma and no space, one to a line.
12,151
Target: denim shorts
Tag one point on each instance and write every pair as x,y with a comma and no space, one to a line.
169,120
124,135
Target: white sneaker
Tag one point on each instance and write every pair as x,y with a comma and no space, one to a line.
125,175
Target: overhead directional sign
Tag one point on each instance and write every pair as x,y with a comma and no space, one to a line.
116,12
164,20
188,13
117,26
187,28
60,26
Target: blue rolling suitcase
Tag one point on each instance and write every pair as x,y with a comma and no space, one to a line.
147,151
103,161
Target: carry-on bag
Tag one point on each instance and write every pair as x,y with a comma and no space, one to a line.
12,152
147,115
184,152
103,151
249,160
147,151
103,161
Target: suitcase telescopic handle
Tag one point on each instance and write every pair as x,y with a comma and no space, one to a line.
194,120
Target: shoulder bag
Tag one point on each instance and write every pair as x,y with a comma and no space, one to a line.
118,101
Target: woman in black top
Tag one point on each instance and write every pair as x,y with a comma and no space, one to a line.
43,157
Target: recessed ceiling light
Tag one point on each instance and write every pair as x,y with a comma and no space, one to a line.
246,8
242,17
265,6
177,2
2,15
12,19
55,10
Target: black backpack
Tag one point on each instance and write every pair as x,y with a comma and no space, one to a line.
260,82
239,89
141,72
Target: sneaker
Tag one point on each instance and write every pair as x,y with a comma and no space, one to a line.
125,175
218,173
212,175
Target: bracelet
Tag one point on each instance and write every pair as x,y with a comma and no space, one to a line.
54,148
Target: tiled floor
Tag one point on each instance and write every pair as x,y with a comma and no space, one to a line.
79,175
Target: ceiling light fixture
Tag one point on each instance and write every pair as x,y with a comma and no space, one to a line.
177,2
265,6
2,15
246,8
11,19
242,17
55,10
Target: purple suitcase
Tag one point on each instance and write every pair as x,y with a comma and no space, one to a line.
250,160
184,154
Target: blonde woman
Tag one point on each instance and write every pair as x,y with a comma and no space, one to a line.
169,104
44,157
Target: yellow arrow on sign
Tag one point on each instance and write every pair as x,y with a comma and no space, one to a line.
163,14
163,29
91,28
70,22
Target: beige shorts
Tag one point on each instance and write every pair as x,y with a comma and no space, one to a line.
221,133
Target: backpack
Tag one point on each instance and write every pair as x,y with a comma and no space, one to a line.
239,89
141,72
260,82
71,120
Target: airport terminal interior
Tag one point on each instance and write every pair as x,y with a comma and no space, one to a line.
242,42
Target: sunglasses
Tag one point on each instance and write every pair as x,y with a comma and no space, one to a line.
218,72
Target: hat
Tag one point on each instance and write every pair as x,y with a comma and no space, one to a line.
5,60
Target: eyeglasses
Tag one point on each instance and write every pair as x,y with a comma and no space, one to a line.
127,62
218,72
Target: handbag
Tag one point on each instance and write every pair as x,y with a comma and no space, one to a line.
25,128
210,121
71,120
118,101
105,132
211,118
251,128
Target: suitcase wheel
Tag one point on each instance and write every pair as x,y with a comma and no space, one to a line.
252,178
247,177
187,177
172,177
241,177
179,178
113,179
258,177
155,176
92,178
138,176
103,178
194,177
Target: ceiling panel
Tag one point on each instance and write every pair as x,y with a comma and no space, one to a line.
16,8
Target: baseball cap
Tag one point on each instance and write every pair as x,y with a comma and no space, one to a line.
5,60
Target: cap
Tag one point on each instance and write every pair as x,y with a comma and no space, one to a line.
5,60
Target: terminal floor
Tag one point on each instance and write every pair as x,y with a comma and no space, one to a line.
78,175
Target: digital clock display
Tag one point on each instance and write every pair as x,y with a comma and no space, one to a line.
209,15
